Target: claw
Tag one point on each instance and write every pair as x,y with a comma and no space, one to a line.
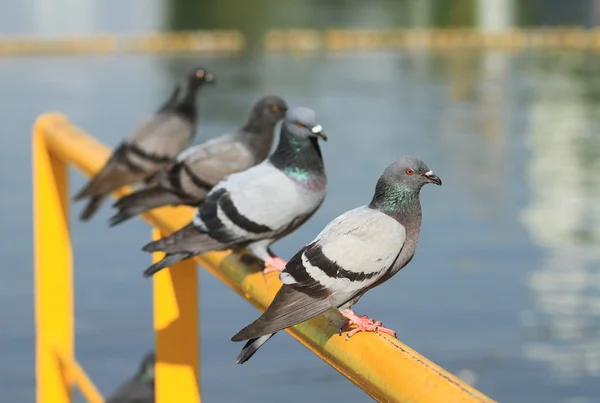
363,324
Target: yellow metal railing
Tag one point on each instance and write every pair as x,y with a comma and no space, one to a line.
307,40
380,365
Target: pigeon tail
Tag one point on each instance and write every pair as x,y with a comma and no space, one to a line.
252,347
141,201
92,206
186,240
167,261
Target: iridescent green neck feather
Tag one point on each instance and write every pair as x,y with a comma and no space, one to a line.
398,200
299,158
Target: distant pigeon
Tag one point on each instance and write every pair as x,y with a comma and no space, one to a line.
151,147
254,208
199,168
355,252
139,388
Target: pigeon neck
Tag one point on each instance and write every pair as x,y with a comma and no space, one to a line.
299,158
182,101
400,202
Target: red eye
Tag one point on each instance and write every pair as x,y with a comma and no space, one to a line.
299,124
409,172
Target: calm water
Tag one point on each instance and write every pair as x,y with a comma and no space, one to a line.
504,289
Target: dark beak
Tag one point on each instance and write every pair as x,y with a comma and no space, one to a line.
431,177
318,131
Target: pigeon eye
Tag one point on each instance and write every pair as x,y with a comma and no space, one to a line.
409,172
275,108
200,73
299,124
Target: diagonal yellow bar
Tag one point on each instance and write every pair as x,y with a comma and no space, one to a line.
383,367
176,325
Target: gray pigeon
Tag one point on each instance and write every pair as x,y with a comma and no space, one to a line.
151,147
199,168
254,208
357,251
140,388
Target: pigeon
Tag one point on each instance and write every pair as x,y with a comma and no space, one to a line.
355,252
199,168
140,388
151,147
252,209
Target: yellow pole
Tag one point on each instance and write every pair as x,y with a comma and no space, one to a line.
53,274
383,367
176,327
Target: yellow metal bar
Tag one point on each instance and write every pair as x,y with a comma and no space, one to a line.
306,40
383,367
53,274
87,388
176,324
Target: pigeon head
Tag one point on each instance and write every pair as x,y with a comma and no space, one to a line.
198,76
302,122
270,109
398,188
411,172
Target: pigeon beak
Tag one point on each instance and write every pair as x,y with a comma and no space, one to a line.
318,131
431,177
209,78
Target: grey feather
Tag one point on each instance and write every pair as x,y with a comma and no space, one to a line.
94,203
256,207
199,168
151,147
140,387
252,347
141,201
186,240
289,307
355,252
169,260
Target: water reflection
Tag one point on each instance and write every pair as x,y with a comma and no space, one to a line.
562,329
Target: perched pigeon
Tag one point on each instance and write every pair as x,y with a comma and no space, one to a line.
357,251
140,388
254,208
151,147
199,168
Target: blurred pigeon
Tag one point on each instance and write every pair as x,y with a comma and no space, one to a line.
199,168
151,147
355,252
254,208
139,388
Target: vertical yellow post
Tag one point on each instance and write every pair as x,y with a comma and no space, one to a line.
53,274
176,326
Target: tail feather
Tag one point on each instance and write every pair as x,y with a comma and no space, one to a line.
92,206
251,347
141,201
187,240
168,260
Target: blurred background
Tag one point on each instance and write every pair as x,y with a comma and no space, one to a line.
504,290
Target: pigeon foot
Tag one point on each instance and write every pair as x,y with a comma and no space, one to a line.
274,264
362,324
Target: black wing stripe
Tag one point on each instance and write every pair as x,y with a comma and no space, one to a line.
233,214
120,156
304,282
158,159
201,184
316,257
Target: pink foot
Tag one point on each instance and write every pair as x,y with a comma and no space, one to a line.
274,264
362,324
